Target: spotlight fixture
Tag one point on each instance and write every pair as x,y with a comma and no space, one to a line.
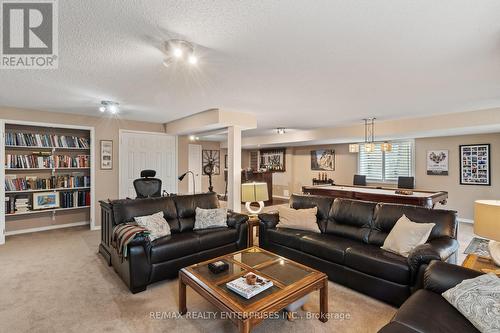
280,130
111,107
178,50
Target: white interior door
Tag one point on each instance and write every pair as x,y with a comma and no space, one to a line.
194,165
139,151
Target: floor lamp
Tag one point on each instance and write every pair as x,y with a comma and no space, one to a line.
181,177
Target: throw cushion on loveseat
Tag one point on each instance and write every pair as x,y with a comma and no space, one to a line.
155,223
210,218
478,300
301,219
406,235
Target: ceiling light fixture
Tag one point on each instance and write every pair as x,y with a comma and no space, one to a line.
109,106
178,50
369,144
281,130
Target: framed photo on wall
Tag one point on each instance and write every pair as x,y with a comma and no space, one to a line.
44,200
323,159
437,162
106,154
475,165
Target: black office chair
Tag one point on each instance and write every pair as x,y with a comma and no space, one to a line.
147,186
406,182
359,180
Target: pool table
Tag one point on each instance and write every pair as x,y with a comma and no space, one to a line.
379,194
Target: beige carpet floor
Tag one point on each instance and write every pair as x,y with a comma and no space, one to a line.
55,281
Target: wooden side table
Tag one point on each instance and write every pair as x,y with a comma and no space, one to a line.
253,221
481,264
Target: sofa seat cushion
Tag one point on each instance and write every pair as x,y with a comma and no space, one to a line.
174,246
287,237
327,247
426,311
376,262
212,238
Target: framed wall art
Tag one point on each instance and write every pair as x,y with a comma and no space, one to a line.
44,200
323,159
106,154
273,159
437,162
475,165
211,157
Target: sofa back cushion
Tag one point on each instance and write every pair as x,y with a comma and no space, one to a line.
125,210
186,207
386,216
323,204
351,219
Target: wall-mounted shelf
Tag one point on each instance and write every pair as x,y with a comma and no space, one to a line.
42,169
53,210
50,190
44,148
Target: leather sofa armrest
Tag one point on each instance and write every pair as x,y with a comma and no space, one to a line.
270,220
441,276
437,249
234,220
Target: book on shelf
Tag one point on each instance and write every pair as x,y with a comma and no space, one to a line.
242,288
46,140
75,180
14,161
69,199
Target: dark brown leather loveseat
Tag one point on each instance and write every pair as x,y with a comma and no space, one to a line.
426,311
149,262
348,247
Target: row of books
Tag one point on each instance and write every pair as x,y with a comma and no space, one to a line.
67,199
46,161
74,199
14,183
17,204
46,140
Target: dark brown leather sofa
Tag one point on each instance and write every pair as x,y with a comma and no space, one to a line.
348,247
149,262
426,311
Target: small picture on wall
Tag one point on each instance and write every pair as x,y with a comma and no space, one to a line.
323,159
106,154
475,165
437,162
211,161
43,200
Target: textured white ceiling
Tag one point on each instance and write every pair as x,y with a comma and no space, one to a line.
298,64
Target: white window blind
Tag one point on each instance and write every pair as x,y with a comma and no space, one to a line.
379,166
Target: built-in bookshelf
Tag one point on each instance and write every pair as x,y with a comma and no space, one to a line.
47,172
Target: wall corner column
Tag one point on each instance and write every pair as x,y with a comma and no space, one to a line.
234,168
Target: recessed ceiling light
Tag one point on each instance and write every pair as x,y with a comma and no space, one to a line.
192,60
177,52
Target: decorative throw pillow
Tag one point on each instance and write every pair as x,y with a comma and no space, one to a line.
156,224
478,300
301,219
406,235
210,218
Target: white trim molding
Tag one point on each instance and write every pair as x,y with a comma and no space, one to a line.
461,220
50,227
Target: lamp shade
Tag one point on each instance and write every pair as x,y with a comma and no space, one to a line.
487,219
254,192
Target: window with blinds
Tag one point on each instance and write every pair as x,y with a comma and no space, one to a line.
379,166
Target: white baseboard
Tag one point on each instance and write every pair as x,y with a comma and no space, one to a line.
49,227
95,228
465,221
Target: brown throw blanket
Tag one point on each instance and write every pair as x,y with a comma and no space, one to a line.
123,234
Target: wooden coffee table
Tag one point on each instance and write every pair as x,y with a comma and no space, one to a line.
291,280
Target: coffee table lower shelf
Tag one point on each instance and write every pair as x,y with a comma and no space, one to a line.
291,280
